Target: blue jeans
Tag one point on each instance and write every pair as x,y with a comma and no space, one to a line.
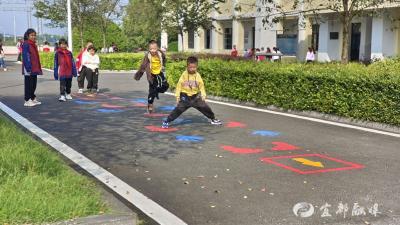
2,63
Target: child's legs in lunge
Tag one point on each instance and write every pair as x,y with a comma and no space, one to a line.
202,106
152,91
179,109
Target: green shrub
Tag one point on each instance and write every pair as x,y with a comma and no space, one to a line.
354,90
114,61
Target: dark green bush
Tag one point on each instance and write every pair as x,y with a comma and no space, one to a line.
354,90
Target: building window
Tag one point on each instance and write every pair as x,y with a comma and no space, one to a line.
315,36
208,39
334,35
228,38
191,39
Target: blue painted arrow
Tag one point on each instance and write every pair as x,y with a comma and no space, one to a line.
109,110
166,108
189,138
85,102
266,133
140,100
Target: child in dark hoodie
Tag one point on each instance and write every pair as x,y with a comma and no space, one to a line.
64,69
154,66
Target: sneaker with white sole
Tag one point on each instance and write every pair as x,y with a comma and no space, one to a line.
5,69
80,91
165,125
216,122
36,101
62,98
68,97
29,103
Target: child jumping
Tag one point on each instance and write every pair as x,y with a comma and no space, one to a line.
154,65
190,92
64,69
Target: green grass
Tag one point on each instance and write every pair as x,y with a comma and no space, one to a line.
36,186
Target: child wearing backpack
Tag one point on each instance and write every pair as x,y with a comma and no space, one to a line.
154,65
190,92
64,69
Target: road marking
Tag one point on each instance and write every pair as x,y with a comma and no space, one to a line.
304,118
308,162
146,205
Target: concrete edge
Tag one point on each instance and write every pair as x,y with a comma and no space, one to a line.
147,206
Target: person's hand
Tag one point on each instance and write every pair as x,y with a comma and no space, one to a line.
203,98
177,101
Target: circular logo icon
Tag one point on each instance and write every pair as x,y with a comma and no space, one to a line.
303,209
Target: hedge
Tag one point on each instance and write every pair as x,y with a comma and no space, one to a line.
115,61
368,93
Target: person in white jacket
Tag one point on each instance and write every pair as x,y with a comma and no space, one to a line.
310,57
90,63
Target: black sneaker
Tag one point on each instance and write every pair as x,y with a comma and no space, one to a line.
216,122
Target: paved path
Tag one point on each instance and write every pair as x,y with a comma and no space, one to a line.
253,170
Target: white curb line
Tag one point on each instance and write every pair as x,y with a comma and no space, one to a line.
148,206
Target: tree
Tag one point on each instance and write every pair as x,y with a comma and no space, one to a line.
139,23
56,12
346,10
188,15
105,10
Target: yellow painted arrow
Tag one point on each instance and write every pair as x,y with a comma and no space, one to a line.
308,162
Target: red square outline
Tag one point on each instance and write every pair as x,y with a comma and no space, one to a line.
351,166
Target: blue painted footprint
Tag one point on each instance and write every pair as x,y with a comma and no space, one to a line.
266,133
189,138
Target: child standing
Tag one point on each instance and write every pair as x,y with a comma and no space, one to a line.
154,66
190,92
81,74
64,69
90,67
31,67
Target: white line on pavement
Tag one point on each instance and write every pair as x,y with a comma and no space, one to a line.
148,206
303,118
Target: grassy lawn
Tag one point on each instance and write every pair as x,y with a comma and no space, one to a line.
36,186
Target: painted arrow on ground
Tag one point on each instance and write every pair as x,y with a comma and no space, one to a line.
308,162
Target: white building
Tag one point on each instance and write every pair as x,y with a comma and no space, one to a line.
370,37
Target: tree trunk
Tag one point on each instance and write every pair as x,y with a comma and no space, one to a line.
183,44
346,24
81,36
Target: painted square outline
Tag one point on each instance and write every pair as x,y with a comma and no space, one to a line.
350,165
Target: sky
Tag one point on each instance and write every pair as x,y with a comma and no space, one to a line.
17,8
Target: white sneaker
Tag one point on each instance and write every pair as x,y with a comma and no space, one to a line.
5,69
29,103
68,97
80,91
97,90
36,101
62,98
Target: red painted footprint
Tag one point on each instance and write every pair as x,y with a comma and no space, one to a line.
236,150
110,106
283,146
233,124
159,129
